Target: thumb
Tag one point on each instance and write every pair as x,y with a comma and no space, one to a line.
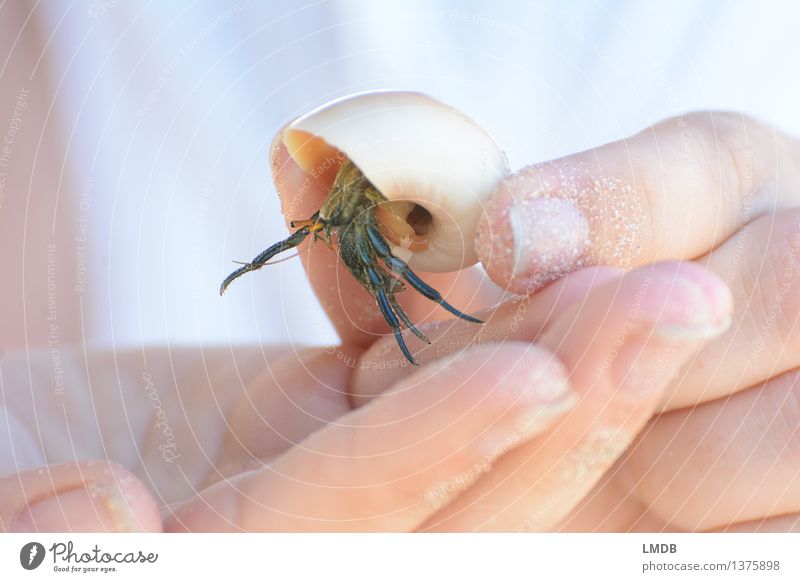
90,496
550,219
674,191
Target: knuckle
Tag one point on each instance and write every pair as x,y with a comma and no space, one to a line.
787,417
738,155
724,151
751,152
776,278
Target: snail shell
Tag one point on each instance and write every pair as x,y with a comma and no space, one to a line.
434,165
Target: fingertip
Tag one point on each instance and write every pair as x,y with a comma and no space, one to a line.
277,151
301,194
89,496
142,509
701,301
668,308
525,383
529,237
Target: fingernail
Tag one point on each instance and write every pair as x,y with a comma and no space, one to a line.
532,239
545,391
96,507
698,308
700,304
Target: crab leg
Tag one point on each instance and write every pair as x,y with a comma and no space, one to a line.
401,268
388,314
367,256
406,320
259,261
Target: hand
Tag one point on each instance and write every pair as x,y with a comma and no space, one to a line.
240,439
723,190
716,188
237,426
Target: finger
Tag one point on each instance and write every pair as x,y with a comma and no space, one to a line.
727,461
673,191
350,308
301,196
780,524
390,464
519,319
761,263
90,496
298,394
621,347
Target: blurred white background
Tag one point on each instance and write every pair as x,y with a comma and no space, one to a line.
137,164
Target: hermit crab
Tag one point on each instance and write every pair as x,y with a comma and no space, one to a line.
412,177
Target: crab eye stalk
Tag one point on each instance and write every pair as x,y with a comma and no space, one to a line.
411,177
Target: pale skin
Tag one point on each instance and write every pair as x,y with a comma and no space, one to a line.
651,388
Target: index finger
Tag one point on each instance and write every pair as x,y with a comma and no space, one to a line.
673,191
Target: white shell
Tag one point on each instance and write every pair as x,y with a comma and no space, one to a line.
412,148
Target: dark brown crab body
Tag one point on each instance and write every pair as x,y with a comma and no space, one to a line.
348,221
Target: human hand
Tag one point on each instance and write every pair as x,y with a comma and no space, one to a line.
723,190
717,188
222,444
205,462
638,503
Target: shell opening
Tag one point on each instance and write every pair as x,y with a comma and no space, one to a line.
420,220
405,224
